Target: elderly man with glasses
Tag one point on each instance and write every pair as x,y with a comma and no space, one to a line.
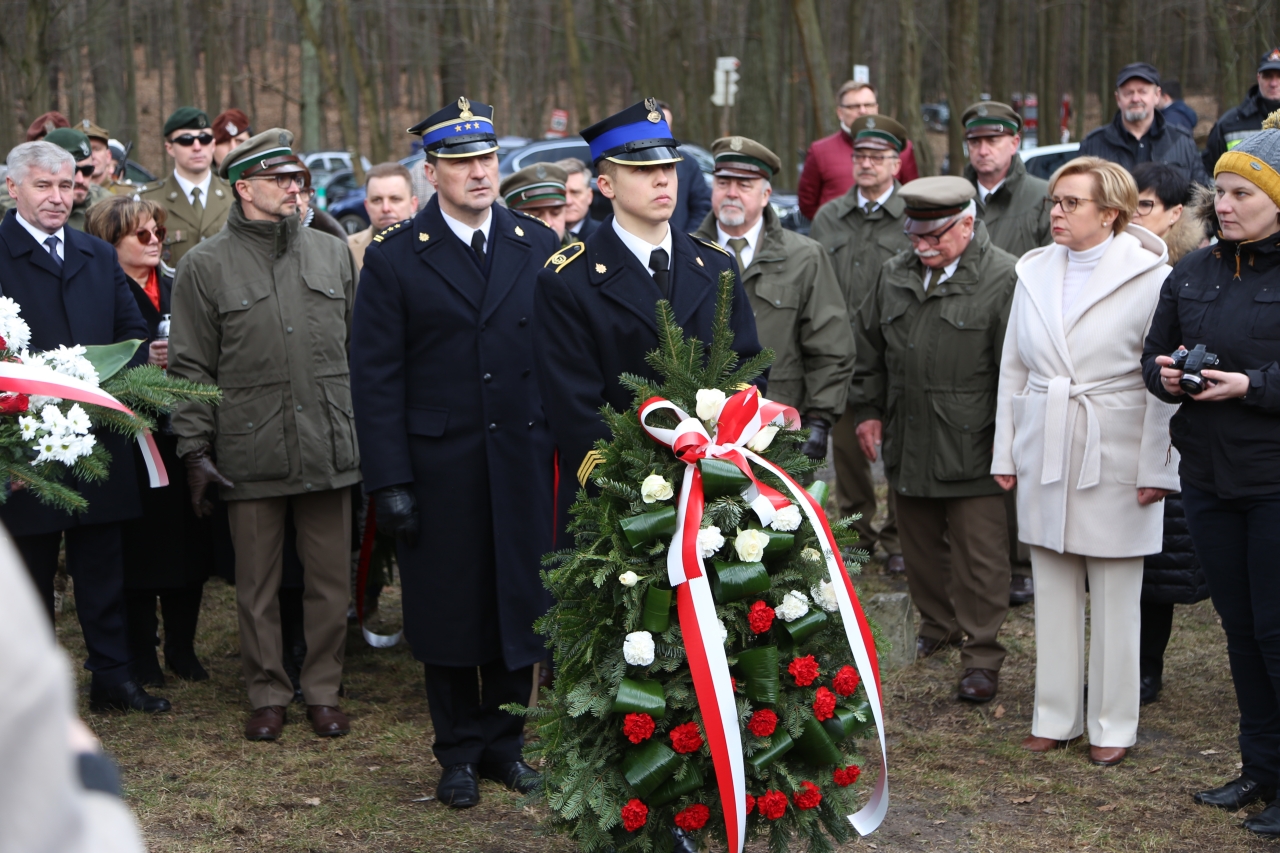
924,393
263,310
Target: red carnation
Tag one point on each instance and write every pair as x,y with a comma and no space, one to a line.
809,797
637,727
763,723
751,804
3,344
760,617
824,704
772,804
805,670
686,738
634,815
693,818
14,404
846,681
733,682
846,776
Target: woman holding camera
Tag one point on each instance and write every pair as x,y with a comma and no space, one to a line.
1088,448
1226,297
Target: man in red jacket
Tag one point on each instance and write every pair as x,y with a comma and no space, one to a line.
828,168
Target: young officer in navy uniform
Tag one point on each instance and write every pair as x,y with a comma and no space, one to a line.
455,449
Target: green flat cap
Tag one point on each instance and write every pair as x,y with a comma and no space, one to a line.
71,140
184,118
268,153
881,132
740,157
536,186
92,131
991,118
929,200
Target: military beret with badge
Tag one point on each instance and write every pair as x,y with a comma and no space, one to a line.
72,141
186,118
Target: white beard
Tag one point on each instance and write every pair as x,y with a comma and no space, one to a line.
732,215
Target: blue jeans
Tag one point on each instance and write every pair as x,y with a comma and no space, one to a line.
1238,542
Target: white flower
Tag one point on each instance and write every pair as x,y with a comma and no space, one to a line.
638,648
54,421
750,545
709,541
656,488
811,555
70,361
724,632
709,402
628,578
824,595
760,441
14,329
48,448
30,427
787,518
794,605
78,420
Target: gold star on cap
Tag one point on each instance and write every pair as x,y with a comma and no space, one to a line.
600,269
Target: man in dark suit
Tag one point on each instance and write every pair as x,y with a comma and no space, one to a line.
452,430
693,199
578,196
72,291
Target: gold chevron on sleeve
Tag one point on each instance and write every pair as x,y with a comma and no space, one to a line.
589,463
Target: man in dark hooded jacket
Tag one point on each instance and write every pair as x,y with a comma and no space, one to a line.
1240,122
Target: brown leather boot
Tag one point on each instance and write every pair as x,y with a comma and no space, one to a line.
327,721
265,723
1107,756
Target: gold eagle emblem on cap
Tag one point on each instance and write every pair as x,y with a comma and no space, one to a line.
651,104
735,143
464,108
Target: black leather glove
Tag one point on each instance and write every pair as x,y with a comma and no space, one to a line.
201,472
816,446
397,513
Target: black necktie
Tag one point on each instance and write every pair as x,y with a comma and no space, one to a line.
477,245
659,262
51,243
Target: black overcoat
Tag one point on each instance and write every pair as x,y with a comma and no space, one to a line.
86,301
446,401
596,319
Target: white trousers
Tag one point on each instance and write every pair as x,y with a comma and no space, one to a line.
1115,591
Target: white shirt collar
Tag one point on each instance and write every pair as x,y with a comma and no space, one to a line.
752,237
642,249
984,193
464,231
187,187
40,236
878,202
947,271
576,228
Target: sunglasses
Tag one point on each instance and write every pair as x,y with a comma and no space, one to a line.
186,140
144,235
86,170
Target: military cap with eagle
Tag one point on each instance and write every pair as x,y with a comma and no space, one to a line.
637,136
268,153
462,129
931,200
876,131
537,186
740,157
991,118
72,141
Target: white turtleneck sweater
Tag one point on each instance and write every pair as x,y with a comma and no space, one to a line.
1080,266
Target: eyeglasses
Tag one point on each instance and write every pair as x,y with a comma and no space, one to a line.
144,235
1069,202
186,140
1145,206
285,180
871,158
86,170
932,239
871,106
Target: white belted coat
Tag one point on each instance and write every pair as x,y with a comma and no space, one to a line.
1073,419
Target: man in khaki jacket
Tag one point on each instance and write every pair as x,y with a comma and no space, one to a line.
263,310
388,199
799,308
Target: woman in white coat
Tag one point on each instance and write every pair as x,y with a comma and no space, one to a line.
1088,448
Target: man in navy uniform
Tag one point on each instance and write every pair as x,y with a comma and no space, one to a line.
597,301
454,445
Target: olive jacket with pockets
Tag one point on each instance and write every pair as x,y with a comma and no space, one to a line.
1015,214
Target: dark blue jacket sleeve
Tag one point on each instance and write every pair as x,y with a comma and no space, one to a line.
1164,338
699,201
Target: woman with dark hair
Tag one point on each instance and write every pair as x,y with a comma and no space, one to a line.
168,552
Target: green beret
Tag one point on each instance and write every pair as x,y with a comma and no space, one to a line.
991,118
268,153
875,131
71,140
739,157
184,118
929,200
536,186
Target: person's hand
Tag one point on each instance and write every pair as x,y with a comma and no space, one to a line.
397,513
1170,376
158,354
869,437
81,738
815,447
1146,497
1008,482
201,472
1222,386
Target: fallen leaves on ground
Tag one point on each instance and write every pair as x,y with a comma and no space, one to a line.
1209,752
1109,807
1021,800
999,712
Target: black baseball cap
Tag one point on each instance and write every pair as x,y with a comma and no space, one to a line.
1141,70
1270,61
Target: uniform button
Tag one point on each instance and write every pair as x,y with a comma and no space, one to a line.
484,326
960,323
331,290
911,346
244,301
289,329
493,427
530,424
911,418
250,424
525,375
777,302
965,427
299,407
524,321
307,487
488,377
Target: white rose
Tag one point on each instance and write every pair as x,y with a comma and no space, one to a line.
787,518
811,555
724,632
794,605
655,488
638,648
750,545
628,578
761,440
709,402
709,541
824,595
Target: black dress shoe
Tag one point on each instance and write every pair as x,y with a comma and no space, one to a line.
1149,689
146,670
684,841
458,786
1265,822
185,665
1236,794
516,775
125,697
1021,590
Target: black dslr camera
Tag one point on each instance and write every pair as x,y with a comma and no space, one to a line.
1191,363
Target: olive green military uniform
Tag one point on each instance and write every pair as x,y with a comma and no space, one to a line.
188,225
80,210
928,368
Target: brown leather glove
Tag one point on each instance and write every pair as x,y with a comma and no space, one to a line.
200,473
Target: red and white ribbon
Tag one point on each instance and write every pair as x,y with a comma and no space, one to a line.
39,380
738,421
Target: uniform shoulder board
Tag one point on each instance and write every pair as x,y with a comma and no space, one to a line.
711,245
530,216
565,256
167,270
390,229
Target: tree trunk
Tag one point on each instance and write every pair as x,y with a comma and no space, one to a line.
962,79
75,70
312,108
1225,49
377,139
809,28
909,74
350,138
1082,71
34,62
581,105
1002,53
857,9
1050,93
502,87
105,60
184,76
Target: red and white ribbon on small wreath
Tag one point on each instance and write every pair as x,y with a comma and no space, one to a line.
738,420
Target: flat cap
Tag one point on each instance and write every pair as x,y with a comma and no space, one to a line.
1141,70
71,140
230,123
929,200
637,136
268,153
462,129
991,118
184,118
876,131
1270,61
92,131
539,185
740,157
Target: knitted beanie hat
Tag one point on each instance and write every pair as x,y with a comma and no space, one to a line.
1257,159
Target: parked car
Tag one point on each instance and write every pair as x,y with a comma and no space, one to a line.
350,212
936,116
1044,160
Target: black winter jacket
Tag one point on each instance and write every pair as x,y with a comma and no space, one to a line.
1174,575
1164,143
1227,297
1236,125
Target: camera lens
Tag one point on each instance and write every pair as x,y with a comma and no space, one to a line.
1192,383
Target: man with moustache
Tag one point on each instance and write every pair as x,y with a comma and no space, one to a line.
198,201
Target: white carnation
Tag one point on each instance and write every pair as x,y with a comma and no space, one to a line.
811,555
724,632
750,545
638,648
824,595
628,578
787,518
656,488
760,441
709,402
30,427
709,541
70,361
14,329
794,605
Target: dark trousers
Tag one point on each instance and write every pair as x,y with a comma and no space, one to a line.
96,565
1157,626
1238,543
466,712
181,608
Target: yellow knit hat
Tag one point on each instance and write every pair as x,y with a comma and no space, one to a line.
1257,158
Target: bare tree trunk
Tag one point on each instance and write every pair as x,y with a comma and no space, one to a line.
909,74
75,71
312,108
35,60
350,138
1225,49
581,105
857,9
106,57
184,76
502,28
962,79
809,28
377,139
1002,53
1050,94
214,36
1082,71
